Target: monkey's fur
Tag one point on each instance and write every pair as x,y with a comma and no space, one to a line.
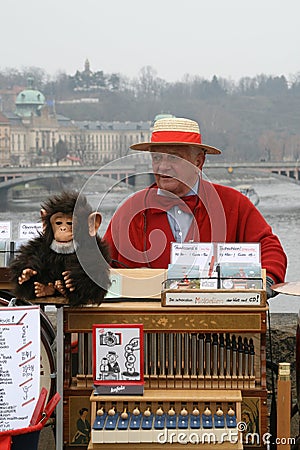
88,266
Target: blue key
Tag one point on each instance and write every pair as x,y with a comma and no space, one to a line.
135,422
231,421
183,422
207,421
99,422
171,421
159,421
219,421
111,422
195,422
123,424
147,422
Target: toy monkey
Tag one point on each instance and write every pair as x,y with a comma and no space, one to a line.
68,258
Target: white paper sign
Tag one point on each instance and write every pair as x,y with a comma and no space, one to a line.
192,253
212,299
239,252
5,230
19,365
29,230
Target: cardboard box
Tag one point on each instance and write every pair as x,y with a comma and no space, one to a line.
136,283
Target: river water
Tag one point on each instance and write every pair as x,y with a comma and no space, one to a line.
279,203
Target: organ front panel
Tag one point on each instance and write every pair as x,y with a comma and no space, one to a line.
202,365
195,417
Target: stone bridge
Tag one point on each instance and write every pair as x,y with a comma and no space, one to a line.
120,171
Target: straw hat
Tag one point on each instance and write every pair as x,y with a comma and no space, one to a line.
175,131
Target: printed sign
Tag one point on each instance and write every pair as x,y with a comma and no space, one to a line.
212,298
19,365
30,230
5,230
238,252
118,359
192,253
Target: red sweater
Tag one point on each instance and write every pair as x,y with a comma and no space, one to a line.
139,234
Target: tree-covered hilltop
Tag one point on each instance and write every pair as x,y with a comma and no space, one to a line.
250,119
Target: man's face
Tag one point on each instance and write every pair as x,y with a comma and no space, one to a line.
112,358
176,167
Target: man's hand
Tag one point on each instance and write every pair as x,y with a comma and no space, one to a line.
270,292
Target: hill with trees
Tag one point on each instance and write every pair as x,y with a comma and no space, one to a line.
252,119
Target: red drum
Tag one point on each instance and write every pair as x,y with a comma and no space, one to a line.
47,379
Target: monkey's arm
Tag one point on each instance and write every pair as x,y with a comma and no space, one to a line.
26,275
68,280
29,266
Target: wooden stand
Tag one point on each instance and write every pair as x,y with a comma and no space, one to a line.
74,370
283,407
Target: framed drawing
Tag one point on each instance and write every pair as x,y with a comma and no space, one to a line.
118,359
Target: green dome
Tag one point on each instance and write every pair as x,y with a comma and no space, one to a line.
161,116
29,101
30,97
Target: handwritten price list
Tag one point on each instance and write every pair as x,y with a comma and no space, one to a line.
19,365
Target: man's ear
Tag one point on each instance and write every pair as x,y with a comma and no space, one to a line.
94,222
200,159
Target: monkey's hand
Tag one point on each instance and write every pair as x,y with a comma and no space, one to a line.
59,286
26,275
68,281
43,290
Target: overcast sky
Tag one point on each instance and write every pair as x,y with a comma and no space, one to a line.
227,38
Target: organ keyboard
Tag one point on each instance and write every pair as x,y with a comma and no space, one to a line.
192,417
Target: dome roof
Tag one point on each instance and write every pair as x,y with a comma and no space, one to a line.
161,116
29,101
30,97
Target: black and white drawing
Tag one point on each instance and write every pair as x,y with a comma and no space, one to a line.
117,353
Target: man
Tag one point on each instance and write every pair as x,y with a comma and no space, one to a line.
181,206
82,435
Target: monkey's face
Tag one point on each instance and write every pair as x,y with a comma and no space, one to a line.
62,227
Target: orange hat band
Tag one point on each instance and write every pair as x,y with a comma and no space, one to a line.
176,136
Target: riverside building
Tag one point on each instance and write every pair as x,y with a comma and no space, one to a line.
35,135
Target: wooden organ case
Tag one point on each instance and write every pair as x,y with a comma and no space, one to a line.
204,370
